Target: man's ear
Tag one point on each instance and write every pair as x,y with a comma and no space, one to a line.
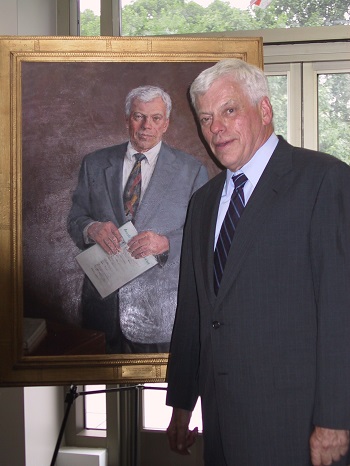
266,110
166,125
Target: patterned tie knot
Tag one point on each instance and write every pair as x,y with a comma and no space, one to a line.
139,157
239,180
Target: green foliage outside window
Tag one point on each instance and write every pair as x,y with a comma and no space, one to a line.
279,100
154,17
159,17
89,23
334,114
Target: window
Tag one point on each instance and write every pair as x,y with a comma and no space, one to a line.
286,98
154,17
274,20
334,114
90,17
95,410
327,107
279,99
156,415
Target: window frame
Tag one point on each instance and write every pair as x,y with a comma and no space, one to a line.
294,90
67,24
310,86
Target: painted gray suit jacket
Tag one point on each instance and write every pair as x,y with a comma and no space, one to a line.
147,304
270,355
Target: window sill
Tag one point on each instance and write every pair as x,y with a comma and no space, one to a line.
91,433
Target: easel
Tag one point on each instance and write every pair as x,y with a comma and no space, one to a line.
73,394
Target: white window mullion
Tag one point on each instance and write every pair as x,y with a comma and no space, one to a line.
310,137
295,105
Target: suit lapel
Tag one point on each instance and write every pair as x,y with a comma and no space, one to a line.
273,182
209,216
114,183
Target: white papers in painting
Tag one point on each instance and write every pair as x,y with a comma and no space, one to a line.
110,272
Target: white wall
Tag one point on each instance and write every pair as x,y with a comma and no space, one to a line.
43,414
28,17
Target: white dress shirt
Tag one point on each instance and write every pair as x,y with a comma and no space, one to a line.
253,171
147,165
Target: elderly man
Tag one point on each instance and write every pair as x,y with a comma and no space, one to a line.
262,328
150,183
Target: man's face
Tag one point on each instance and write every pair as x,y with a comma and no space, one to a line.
233,127
147,123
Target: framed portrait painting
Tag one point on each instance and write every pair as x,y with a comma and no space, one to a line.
62,98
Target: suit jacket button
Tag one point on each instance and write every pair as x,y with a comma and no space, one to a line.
216,324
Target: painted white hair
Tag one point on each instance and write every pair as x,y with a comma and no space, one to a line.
146,94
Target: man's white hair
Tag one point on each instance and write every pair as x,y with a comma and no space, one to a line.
251,78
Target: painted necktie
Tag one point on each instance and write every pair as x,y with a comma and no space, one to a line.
228,228
132,190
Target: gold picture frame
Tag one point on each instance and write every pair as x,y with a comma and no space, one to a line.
42,143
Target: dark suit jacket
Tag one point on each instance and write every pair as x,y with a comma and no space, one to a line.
99,196
270,355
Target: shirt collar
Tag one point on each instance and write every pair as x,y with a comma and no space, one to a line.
256,165
150,154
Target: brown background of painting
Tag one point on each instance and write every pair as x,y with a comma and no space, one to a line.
69,110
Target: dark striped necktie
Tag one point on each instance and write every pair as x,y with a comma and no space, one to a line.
228,228
132,190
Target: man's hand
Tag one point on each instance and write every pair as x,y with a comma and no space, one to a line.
146,243
179,436
107,235
328,445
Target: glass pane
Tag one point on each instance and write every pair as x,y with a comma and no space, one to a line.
334,114
279,100
90,15
95,408
152,17
156,415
